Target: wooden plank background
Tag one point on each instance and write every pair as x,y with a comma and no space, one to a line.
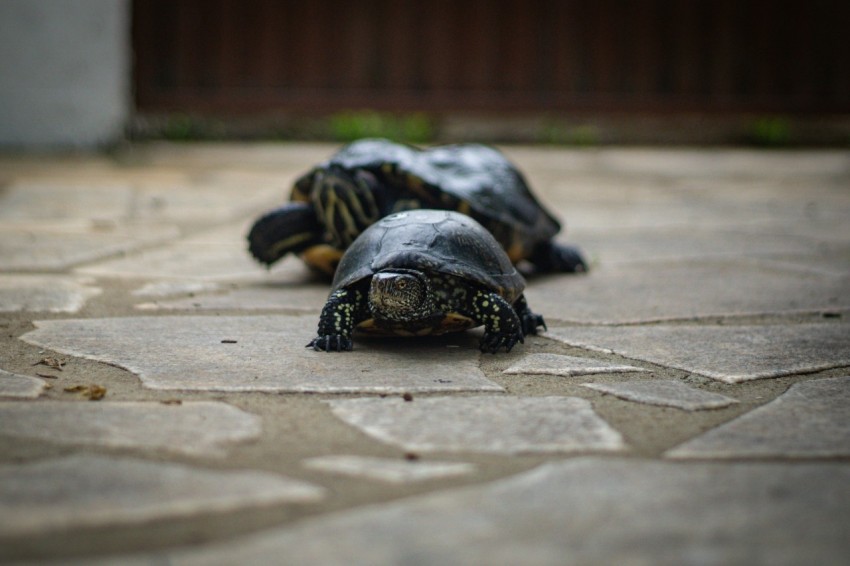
639,56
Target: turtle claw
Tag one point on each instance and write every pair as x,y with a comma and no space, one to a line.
530,321
492,342
331,343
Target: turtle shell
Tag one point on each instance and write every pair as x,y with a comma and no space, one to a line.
473,179
431,241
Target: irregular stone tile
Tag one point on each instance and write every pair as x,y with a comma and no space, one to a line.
20,386
188,352
195,428
733,163
661,291
388,469
212,255
207,200
140,197
307,297
57,245
678,243
582,511
810,420
499,425
665,392
731,354
167,288
43,293
555,364
85,491
832,260
182,260
49,201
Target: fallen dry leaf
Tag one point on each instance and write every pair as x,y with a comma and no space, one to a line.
92,392
51,362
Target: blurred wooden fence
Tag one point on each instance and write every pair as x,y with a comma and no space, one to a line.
495,55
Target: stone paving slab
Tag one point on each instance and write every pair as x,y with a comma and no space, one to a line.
234,195
566,366
44,293
682,238
731,354
638,292
188,353
217,255
44,200
583,511
388,469
193,428
86,491
158,289
51,245
498,425
810,420
835,264
297,296
684,162
664,392
14,385
138,196
617,246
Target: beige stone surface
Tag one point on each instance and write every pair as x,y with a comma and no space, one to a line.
664,392
13,385
566,366
194,428
97,491
500,425
811,420
727,353
387,469
44,293
723,271
262,353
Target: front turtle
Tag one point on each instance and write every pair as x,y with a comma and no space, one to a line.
426,272
369,179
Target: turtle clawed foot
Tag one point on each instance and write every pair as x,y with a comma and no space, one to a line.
558,258
331,343
530,323
492,341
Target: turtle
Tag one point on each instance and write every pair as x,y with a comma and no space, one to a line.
371,178
425,272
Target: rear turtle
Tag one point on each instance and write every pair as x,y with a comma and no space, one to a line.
371,178
426,272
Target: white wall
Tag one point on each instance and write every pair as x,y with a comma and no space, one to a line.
64,72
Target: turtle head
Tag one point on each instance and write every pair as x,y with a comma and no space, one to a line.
346,203
400,295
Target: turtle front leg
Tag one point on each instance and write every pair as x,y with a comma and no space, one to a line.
502,326
343,311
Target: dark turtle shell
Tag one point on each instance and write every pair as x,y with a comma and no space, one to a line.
431,241
472,179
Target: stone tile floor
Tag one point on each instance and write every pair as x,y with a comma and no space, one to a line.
690,403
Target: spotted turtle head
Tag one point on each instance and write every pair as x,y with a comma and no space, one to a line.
346,203
400,295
